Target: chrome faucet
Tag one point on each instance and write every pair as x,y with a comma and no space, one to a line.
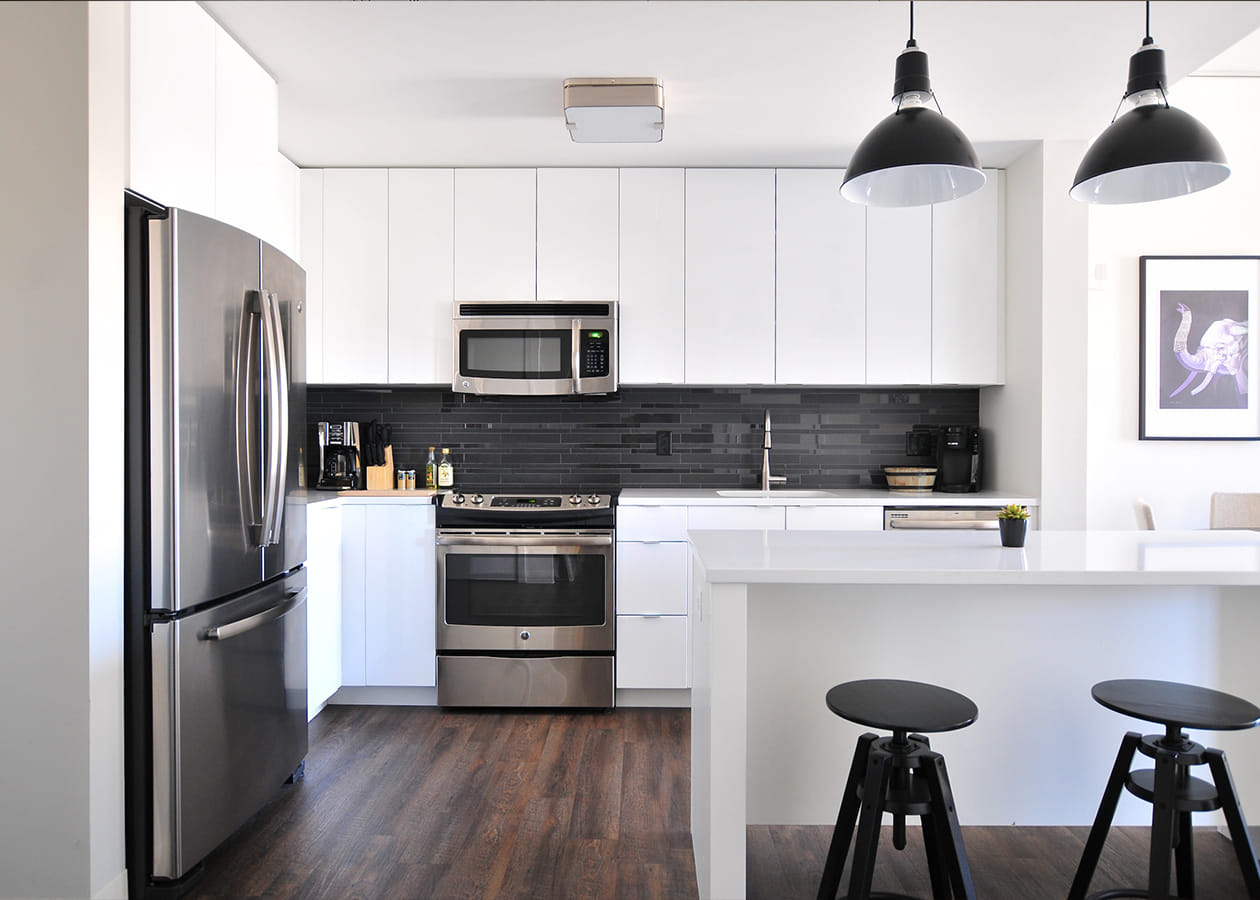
766,478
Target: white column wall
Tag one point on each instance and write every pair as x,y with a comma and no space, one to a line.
1175,477
61,252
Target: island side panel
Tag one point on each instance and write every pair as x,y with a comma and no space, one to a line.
719,725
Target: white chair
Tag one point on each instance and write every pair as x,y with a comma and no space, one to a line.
1145,518
1234,510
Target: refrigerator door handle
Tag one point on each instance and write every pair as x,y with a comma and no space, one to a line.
277,384
247,393
292,599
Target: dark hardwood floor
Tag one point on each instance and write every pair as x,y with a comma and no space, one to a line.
406,802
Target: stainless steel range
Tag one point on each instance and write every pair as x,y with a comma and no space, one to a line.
526,613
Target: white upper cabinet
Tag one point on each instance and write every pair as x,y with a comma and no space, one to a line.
730,276
310,256
820,302
356,276
246,133
495,234
421,274
577,234
899,295
172,105
968,286
652,276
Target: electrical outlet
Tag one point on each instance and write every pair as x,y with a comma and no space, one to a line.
663,442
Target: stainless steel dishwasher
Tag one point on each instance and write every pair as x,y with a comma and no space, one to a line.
941,518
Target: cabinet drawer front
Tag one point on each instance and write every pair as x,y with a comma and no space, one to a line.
651,523
652,579
652,652
735,518
835,518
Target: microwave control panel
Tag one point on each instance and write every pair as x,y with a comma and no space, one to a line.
594,353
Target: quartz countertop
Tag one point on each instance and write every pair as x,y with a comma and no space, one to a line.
787,496
977,557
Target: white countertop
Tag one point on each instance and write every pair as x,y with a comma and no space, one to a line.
977,557
787,496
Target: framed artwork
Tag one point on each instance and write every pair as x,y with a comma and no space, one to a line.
1196,371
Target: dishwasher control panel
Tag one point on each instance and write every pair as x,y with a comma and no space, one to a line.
940,518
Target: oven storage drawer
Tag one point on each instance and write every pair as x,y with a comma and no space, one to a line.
524,681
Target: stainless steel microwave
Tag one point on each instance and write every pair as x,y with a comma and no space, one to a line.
535,347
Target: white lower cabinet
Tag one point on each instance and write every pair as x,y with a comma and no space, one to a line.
835,518
652,652
323,604
652,642
388,595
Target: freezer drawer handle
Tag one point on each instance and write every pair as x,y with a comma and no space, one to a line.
249,623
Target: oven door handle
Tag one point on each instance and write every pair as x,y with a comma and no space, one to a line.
524,540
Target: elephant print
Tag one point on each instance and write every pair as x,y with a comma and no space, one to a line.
1219,353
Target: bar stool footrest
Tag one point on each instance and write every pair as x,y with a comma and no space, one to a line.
1196,795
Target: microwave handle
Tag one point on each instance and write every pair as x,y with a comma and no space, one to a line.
576,347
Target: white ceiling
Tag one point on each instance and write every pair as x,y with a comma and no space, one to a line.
786,83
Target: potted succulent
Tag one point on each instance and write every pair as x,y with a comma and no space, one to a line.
1013,524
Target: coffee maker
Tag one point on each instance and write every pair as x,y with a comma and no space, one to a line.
339,457
959,452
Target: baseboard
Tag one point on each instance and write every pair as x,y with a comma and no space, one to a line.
679,698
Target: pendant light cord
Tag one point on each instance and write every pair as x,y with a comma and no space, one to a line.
1148,23
911,41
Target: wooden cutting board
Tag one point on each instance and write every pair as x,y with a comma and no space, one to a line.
381,478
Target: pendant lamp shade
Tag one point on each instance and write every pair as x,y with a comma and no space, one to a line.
915,156
1153,151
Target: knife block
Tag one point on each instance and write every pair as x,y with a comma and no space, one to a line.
381,478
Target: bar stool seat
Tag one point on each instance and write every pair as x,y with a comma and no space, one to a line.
1170,788
901,775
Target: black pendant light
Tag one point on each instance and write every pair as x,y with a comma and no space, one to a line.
915,156
1153,151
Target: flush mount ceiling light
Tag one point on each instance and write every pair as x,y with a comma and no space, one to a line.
915,156
614,110
1152,151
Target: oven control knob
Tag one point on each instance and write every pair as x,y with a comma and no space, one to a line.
477,498
575,499
593,500
524,635
458,498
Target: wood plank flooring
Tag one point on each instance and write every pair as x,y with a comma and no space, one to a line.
426,804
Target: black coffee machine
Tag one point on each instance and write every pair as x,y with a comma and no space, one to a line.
339,457
959,454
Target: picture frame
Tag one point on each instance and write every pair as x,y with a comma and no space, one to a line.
1197,367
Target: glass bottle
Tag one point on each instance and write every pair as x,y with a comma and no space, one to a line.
430,472
445,471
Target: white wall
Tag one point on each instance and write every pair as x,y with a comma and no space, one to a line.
61,254
1175,477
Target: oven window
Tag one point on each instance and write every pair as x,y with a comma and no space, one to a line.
516,353
537,590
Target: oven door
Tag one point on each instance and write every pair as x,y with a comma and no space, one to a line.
527,591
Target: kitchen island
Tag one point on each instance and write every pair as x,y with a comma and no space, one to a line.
781,616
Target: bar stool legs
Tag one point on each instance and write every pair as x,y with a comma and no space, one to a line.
901,775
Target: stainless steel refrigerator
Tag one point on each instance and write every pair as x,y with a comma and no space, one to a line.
215,604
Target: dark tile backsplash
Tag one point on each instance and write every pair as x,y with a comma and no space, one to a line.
822,437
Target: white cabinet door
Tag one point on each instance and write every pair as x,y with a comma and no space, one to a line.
172,82
899,295
652,578
835,518
421,274
730,276
735,518
577,234
968,286
356,276
353,595
652,523
652,276
323,604
820,302
652,652
495,224
246,132
400,611
310,257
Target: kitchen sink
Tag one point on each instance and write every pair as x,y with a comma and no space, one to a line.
787,494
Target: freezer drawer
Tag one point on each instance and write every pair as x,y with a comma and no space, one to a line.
229,717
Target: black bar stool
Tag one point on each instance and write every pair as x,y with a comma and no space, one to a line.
1170,788
900,775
